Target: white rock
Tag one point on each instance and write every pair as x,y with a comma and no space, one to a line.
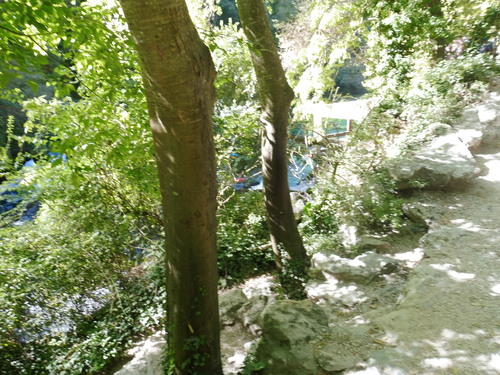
147,357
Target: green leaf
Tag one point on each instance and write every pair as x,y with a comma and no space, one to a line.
4,80
33,86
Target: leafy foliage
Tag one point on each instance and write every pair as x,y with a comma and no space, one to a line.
242,235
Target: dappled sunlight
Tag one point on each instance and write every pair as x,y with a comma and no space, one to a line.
333,291
453,353
411,258
264,285
490,364
450,353
387,370
495,290
466,225
439,363
452,274
493,166
391,338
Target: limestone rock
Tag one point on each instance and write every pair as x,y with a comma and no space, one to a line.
423,214
289,328
367,243
469,128
343,348
251,313
229,303
332,292
147,357
324,260
298,203
447,163
437,242
489,115
363,269
297,340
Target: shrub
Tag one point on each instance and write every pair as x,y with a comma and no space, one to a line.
242,235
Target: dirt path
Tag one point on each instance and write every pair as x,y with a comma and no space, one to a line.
449,320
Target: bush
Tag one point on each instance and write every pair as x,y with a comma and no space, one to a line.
242,235
68,300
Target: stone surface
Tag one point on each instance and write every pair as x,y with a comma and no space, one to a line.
345,348
489,114
147,357
230,302
331,292
298,203
469,128
446,163
421,213
437,241
363,269
298,340
366,268
368,243
290,329
251,312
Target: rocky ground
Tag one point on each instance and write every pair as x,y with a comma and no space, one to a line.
448,321
428,304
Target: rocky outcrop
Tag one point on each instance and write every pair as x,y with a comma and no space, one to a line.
447,162
421,213
298,340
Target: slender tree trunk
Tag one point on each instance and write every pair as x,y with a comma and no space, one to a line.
276,96
178,76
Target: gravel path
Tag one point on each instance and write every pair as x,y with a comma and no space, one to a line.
449,319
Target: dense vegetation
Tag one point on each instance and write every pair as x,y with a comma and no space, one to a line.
81,232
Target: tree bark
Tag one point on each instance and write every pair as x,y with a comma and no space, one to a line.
276,96
178,75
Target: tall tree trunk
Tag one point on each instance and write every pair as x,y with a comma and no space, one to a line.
276,96
178,75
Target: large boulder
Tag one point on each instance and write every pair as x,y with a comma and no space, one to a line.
489,115
446,163
290,333
343,349
298,340
469,128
